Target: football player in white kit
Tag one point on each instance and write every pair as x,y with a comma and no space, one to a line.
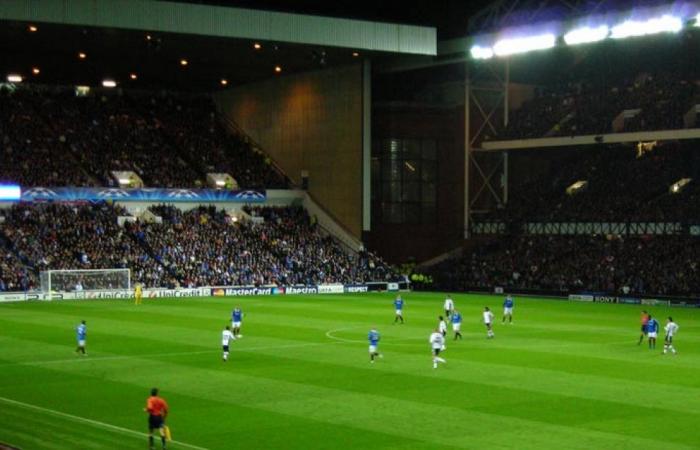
671,329
442,326
226,338
449,306
437,341
488,321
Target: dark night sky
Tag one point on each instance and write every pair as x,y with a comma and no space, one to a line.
449,16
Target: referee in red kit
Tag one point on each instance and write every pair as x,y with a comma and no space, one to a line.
157,410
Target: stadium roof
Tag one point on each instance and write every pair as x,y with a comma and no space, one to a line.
151,38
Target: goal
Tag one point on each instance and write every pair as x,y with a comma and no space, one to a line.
85,280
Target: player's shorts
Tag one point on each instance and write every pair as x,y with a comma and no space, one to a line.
436,351
456,326
236,324
399,312
225,348
81,343
373,349
652,334
155,422
507,311
644,329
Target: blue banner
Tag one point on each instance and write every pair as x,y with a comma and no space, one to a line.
72,194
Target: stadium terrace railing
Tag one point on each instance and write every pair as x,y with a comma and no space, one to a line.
587,228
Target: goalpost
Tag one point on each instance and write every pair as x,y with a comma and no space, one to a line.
85,280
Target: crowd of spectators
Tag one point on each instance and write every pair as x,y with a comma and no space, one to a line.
85,236
30,147
203,246
624,184
51,137
206,246
14,275
636,266
581,107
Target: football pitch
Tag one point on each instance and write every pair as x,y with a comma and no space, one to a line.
564,376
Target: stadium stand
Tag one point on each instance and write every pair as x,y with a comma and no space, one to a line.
589,106
169,140
14,275
648,265
65,236
624,185
627,185
203,246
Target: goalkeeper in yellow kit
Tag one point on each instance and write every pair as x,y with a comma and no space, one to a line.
138,294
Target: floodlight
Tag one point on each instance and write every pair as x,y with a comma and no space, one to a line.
586,35
506,47
10,192
632,28
678,186
478,52
577,187
109,83
14,78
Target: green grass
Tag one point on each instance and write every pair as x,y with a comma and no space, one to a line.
565,376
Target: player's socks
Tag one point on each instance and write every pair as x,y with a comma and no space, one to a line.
150,441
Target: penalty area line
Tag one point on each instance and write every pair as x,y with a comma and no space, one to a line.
94,423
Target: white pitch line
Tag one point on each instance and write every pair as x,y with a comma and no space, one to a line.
401,341
94,423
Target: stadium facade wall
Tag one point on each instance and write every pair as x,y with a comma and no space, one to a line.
309,122
398,243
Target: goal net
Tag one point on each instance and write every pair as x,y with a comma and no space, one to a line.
85,280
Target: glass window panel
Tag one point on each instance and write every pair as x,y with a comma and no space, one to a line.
428,193
429,213
411,192
411,170
428,171
429,150
376,178
411,149
391,170
376,213
392,148
391,191
412,212
392,213
376,147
